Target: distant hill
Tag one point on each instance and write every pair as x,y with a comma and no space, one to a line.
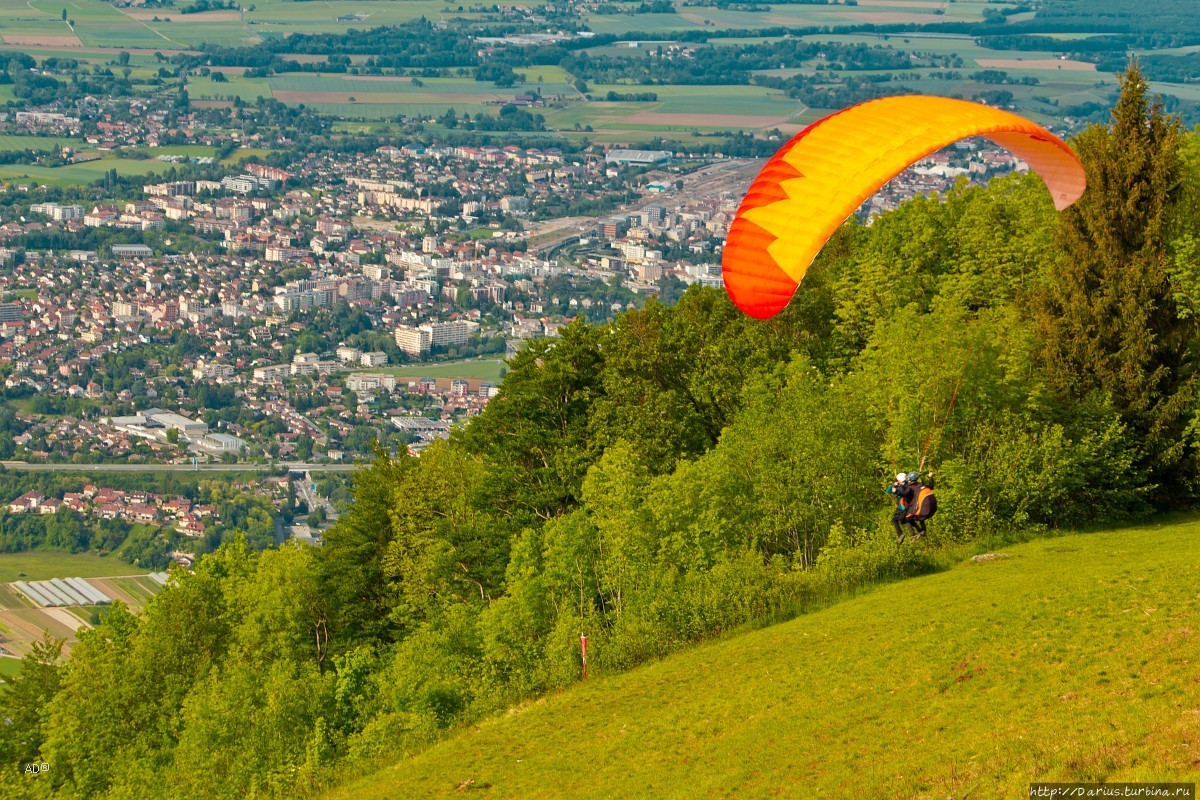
1067,658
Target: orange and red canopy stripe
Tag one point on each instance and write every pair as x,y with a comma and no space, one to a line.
815,181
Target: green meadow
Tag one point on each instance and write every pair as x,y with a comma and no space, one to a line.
487,369
280,17
1068,658
249,89
10,141
632,136
141,589
549,74
9,668
38,565
686,108
85,172
382,111
833,15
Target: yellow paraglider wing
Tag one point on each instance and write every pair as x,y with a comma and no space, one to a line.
815,181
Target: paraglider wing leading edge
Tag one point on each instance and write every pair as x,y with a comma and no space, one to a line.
818,179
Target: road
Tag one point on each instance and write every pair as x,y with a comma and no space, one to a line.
23,466
312,499
731,175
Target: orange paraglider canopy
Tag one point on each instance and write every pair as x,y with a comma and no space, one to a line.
815,181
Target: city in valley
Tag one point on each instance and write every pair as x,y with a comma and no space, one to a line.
348,301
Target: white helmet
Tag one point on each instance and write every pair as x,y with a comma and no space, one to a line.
901,477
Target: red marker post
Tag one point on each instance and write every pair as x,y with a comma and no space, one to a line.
583,653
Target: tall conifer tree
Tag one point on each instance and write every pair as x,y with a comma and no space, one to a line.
1107,313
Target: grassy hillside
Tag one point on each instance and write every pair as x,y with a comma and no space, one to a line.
1068,658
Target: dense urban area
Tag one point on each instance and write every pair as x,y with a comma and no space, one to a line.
272,314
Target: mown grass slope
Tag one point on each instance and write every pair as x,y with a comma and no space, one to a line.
1068,658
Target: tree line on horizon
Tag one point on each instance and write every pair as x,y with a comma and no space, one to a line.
675,474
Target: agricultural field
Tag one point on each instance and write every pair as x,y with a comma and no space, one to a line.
280,17
21,623
293,87
378,97
275,18
1181,90
100,30
9,667
547,76
866,12
357,127
631,137
41,565
484,369
188,150
234,85
132,590
93,24
48,143
90,171
75,174
681,109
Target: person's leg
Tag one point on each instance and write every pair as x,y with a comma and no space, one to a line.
897,518
911,524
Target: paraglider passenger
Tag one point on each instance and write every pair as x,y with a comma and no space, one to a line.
903,494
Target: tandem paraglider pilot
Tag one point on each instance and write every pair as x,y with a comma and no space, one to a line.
915,503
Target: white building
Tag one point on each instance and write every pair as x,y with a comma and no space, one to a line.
413,341
637,157
376,358
272,372
203,371
179,422
57,212
305,363
131,251
445,334
377,272
370,382
222,443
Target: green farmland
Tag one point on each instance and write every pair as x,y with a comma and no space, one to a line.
100,30
48,143
484,369
679,109
40,565
85,172
249,89
96,30
833,15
